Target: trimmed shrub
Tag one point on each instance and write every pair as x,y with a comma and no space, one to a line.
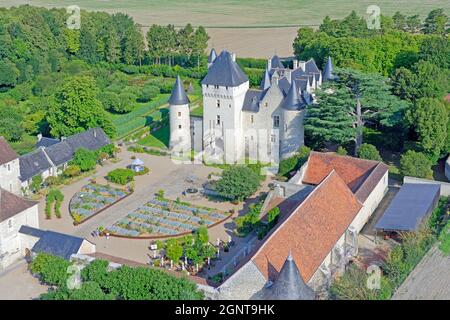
415,164
369,152
121,176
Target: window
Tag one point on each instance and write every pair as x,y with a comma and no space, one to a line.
266,104
9,167
276,121
10,225
229,106
216,87
218,120
218,103
251,118
272,138
179,126
179,114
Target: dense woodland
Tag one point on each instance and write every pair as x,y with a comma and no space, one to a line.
391,88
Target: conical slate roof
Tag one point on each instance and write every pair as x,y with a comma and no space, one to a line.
293,100
289,285
276,62
212,56
225,72
265,82
178,96
328,71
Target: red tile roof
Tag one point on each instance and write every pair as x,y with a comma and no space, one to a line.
10,204
311,230
353,171
7,154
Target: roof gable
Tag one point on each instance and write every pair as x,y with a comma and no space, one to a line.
7,154
33,163
311,230
353,171
11,204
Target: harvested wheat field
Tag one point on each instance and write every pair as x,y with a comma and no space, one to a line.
251,28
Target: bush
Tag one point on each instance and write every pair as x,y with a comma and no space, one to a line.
143,172
85,159
36,183
52,270
369,152
52,181
148,93
72,171
295,162
238,182
415,164
121,176
341,151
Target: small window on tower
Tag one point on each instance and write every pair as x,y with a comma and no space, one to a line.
266,104
218,103
179,126
272,138
179,114
276,121
251,118
218,120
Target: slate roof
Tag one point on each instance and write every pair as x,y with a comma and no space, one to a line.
31,231
409,207
311,230
63,151
46,142
265,81
40,160
212,56
58,244
251,100
293,100
353,171
289,285
11,204
225,72
276,62
33,163
328,71
7,154
178,96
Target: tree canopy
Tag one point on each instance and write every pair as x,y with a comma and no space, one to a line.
238,182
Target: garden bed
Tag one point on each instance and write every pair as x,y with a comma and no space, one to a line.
162,218
93,199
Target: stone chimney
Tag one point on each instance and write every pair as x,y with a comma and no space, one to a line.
269,64
233,56
39,137
288,75
295,64
302,65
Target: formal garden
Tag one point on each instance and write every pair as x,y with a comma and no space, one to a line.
92,199
162,217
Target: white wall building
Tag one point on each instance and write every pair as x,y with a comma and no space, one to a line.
14,213
9,168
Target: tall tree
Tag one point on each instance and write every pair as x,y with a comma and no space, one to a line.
77,109
436,22
429,119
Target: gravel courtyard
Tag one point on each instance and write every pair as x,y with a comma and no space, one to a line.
430,280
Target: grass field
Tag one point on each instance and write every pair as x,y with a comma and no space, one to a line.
158,139
251,28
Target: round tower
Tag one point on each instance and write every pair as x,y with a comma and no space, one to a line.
292,130
180,125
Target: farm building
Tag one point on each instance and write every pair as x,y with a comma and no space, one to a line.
323,209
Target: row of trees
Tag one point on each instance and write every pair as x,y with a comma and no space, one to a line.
98,283
37,40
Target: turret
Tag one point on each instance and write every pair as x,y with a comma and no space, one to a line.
289,284
328,71
180,134
292,131
212,57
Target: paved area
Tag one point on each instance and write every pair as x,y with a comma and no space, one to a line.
164,174
430,280
17,283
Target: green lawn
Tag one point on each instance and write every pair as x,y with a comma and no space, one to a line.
158,139
25,145
197,112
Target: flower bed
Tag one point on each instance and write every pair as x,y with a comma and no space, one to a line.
92,199
159,218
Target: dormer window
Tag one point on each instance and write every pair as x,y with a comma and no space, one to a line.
216,87
276,121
